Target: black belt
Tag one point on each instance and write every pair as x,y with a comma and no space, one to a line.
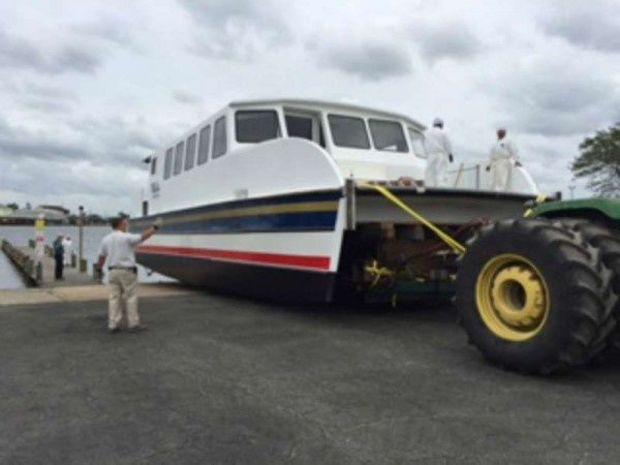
134,269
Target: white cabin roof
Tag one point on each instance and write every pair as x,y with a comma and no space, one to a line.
323,104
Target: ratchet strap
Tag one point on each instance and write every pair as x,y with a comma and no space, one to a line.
451,242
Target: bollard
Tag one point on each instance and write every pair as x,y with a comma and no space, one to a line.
73,260
29,267
97,273
83,265
39,272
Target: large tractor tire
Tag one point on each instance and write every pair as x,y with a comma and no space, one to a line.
534,296
608,243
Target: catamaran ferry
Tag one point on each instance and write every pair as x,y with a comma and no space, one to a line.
290,199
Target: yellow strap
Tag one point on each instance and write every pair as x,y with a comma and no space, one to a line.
452,243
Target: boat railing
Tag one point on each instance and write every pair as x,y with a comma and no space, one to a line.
475,176
466,176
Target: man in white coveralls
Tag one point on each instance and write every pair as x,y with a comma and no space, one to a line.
503,157
118,250
439,154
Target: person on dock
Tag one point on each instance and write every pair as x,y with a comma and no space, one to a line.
59,256
67,245
118,250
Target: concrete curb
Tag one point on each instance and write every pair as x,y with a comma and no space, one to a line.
92,292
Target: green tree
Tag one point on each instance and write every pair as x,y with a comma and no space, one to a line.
599,162
12,206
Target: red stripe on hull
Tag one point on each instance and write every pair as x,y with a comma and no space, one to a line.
303,262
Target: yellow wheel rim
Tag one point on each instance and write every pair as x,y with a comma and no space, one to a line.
512,297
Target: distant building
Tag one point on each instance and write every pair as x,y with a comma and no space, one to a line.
53,215
57,208
5,211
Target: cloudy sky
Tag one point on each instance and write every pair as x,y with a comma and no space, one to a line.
89,88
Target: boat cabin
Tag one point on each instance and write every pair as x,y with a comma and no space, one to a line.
354,135
212,161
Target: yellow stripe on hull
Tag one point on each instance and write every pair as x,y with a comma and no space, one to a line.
304,207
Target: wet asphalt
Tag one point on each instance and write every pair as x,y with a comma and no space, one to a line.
220,380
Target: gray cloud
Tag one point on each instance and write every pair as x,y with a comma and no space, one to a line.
186,97
235,30
19,53
112,30
553,99
17,142
42,98
368,60
448,40
94,160
118,141
111,141
31,177
595,25
216,13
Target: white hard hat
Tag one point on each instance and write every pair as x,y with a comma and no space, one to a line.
437,122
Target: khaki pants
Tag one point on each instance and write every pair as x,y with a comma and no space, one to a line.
123,289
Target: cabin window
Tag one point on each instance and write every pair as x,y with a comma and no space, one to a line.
190,153
417,142
153,165
168,164
219,137
299,126
349,132
256,126
305,126
387,135
203,145
178,158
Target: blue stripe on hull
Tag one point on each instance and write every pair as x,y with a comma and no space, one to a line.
287,222
253,215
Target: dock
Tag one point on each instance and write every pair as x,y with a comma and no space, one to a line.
42,275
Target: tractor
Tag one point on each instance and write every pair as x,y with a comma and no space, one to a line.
539,294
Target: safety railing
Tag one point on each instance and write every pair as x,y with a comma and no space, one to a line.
466,176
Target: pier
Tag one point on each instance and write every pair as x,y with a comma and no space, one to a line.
41,273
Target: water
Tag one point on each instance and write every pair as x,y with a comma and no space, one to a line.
9,277
19,236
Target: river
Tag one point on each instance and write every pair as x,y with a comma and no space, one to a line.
19,235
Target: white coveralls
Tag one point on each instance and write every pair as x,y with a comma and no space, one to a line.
503,157
438,150
118,248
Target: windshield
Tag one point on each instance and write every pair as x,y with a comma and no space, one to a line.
348,132
387,135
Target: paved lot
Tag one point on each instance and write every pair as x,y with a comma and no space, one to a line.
224,381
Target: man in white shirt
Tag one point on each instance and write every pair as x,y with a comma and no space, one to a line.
67,244
439,153
503,157
118,250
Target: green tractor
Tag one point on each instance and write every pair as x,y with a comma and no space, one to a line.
540,294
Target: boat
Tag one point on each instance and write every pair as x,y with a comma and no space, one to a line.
277,199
